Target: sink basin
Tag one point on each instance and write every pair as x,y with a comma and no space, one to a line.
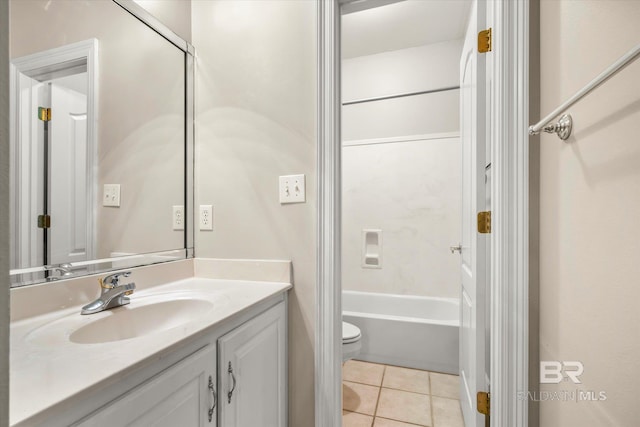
145,315
130,322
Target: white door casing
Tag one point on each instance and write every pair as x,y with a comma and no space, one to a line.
473,255
509,190
27,172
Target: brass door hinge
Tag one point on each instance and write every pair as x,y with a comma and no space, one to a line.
484,402
44,114
484,41
484,405
484,222
44,221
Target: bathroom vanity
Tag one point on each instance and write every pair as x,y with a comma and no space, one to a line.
102,181
192,352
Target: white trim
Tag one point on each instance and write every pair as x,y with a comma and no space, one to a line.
14,207
328,345
396,139
93,86
83,50
510,195
509,268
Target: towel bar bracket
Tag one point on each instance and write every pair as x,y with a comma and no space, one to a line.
562,127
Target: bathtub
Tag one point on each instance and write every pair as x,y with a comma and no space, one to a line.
410,331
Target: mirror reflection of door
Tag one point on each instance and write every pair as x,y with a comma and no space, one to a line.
53,162
68,169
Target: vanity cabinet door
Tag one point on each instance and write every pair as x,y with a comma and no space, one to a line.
252,371
179,396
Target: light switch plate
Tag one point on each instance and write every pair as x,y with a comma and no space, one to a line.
292,189
111,195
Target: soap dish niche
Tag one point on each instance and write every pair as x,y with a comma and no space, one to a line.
371,248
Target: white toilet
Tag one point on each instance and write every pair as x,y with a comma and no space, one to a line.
350,341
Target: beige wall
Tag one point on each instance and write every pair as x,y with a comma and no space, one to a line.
175,14
414,69
589,210
410,190
428,67
4,214
140,115
255,120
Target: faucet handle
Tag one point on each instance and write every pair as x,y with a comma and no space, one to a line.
113,280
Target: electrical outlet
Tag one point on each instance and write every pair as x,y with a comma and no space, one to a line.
292,189
111,195
178,217
206,217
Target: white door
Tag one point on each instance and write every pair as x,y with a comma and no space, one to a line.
253,379
68,174
473,255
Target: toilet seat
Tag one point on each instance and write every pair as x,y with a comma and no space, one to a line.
350,341
350,333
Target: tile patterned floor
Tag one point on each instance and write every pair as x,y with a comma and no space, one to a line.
376,395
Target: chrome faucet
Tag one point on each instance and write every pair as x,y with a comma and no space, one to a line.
63,269
112,294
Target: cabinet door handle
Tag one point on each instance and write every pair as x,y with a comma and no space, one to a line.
212,389
233,377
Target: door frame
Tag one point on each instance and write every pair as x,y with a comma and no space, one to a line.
509,311
86,50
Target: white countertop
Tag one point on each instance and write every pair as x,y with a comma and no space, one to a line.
45,372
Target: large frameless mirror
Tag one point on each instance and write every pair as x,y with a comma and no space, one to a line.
101,139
